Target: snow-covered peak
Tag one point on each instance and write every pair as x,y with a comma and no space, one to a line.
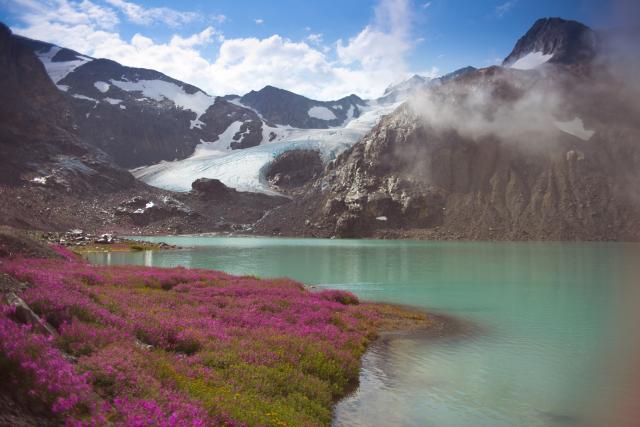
553,40
60,62
409,84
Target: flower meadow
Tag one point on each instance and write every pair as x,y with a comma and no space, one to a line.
140,346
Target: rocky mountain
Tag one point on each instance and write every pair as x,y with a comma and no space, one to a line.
37,140
553,40
282,107
512,152
497,153
453,75
141,117
401,90
51,179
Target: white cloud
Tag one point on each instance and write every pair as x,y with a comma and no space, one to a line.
364,65
66,13
147,16
218,18
384,43
315,38
259,21
504,8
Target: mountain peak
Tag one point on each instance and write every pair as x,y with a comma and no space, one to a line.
408,84
554,40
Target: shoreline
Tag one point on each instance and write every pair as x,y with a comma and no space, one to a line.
330,368
440,326
376,237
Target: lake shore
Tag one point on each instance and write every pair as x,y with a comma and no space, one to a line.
70,296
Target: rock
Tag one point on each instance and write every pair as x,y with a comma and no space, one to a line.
334,206
24,314
105,239
211,188
137,202
294,168
350,225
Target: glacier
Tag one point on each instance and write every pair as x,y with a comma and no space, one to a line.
244,169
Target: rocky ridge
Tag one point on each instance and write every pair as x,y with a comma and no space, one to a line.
495,153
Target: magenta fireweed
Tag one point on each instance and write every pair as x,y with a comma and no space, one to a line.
153,346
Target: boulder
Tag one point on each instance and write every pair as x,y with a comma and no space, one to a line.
211,188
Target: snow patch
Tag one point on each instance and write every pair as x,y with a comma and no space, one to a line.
531,61
322,113
42,180
196,124
102,86
122,107
63,88
236,101
220,146
86,98
576,128
149,205
59,70
160,90
113,101
381,218
350,112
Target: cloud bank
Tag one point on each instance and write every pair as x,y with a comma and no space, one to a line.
365,63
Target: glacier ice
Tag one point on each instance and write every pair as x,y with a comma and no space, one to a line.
244,169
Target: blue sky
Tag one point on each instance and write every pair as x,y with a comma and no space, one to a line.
322,49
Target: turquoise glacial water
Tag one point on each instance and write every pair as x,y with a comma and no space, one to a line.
555,324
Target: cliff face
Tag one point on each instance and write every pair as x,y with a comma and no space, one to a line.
574,178
37,139
29,130
497,154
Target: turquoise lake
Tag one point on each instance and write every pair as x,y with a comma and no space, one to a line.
555,324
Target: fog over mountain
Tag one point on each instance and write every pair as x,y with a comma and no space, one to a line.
543,151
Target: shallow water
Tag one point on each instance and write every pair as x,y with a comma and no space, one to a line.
555,324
